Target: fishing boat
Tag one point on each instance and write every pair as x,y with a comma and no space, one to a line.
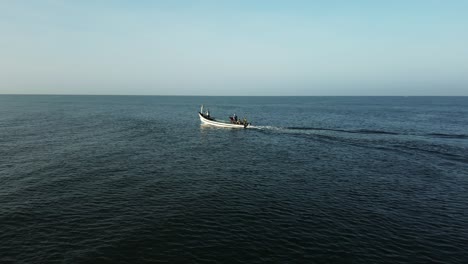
206,118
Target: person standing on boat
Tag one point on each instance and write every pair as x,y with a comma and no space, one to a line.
235,117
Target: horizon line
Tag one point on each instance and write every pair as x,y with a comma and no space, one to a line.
188,95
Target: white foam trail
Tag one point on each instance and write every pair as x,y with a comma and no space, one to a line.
283,130
266,127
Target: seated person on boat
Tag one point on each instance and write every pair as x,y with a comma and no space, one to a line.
235,120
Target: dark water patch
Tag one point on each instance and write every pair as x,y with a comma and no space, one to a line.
368,131
442,135
452,155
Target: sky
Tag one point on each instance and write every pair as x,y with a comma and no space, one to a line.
242,47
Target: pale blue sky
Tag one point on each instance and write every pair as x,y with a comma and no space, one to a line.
242,47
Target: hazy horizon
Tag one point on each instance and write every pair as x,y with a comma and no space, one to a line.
242,48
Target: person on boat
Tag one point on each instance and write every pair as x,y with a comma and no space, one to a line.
235,117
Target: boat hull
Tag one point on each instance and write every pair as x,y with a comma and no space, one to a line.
219,123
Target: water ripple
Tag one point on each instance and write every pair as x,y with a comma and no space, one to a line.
117,181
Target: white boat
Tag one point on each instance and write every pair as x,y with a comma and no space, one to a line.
206,118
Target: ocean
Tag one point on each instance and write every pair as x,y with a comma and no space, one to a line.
138,179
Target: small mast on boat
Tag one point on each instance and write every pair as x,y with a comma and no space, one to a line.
205,114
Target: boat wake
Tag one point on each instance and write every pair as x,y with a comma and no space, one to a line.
316,130
403,143
358,131
298,129
265,127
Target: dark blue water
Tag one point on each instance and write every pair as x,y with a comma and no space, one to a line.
117,179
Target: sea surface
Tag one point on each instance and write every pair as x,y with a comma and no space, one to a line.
138,179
